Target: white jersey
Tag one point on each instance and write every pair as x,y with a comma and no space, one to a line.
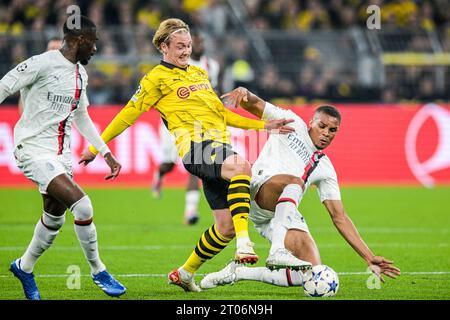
53,91
293,154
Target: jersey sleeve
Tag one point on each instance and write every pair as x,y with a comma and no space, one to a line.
87,128
272,112
238,121
22,75
147,94
145,97
84,101
328,187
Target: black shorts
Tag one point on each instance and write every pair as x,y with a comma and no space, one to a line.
204,160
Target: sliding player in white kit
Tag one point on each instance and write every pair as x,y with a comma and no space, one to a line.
285,168
53,89
169,151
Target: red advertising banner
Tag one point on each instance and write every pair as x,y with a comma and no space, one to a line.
395,144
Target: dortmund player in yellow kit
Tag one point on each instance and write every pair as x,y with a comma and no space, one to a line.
194,114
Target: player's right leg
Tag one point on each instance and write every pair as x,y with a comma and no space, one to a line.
41,170
280,194
45,232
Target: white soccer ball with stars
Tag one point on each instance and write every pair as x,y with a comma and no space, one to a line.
320,281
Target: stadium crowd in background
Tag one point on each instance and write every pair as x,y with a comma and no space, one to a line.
125,52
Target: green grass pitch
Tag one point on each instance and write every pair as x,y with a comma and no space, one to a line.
142,239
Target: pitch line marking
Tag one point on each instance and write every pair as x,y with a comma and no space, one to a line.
165,247
161,275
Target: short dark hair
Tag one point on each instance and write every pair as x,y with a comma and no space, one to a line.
86,25
329,110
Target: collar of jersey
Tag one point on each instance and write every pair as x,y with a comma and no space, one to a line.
171,66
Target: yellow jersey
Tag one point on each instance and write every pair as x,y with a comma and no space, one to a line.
188,105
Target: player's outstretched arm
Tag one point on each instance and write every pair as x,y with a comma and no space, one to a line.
378,264
243,97
255,105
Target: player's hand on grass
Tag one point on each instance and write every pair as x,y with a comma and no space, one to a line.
380,265
86,157
113,164
280,125
234,98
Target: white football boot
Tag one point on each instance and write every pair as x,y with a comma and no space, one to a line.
184,279
283,258
220,278
246,254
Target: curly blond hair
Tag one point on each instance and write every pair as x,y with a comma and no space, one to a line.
166,29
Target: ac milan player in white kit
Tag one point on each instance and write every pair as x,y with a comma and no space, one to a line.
53,89
285,168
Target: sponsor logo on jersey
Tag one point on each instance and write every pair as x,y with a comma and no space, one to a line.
61,103
298,146
185,92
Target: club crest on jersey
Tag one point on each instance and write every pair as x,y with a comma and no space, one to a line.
185,92
22,67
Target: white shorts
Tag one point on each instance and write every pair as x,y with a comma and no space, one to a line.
42,168
169,150
263,219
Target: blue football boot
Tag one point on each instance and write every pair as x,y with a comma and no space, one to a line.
27,279
107,283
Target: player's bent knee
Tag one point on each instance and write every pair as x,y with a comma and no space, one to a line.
243,168
295,180
53,222
82,211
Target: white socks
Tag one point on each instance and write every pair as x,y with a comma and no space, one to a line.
191,207
45,232
87,235
281,277
287,204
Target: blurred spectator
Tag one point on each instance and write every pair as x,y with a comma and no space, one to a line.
298,64
98,90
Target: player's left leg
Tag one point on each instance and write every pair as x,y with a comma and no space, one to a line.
212,241
303,246
234,272
66,191
300,243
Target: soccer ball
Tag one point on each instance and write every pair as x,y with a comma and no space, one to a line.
320,281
